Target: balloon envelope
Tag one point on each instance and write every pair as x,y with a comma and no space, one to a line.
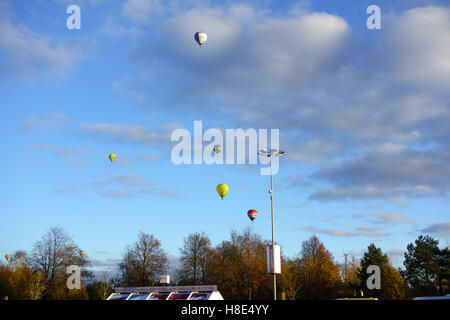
252,213
7,256
222,189
81,253
112,157
200,37
217,148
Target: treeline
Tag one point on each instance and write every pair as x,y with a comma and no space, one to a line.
237,266
42,274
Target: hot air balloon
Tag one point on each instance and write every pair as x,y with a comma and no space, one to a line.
200,37
7,256
222,190
252,213
217,148
81,252
112,157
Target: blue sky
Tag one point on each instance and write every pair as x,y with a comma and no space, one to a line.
363,117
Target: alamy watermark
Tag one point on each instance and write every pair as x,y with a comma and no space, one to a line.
74,20
374,281
74,280
373,22
239,147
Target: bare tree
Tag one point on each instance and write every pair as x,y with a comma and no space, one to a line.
143,261
51,256
349,275
195,255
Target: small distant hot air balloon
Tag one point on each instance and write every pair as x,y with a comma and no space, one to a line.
81,252
252,213
200,37
222,189
112,157
217,148
7,256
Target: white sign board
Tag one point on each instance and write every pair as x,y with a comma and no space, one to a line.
164,279
274,259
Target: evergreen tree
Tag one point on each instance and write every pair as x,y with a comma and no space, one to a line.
392,285
422,266
444,270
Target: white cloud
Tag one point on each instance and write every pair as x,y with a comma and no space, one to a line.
123,133
438,229
361,231
386,218
117,194
113,28
47,123
132,179
67,189
148,157
419,43
390,172
72,155
305,73
140,11
136,186
160,192
27,54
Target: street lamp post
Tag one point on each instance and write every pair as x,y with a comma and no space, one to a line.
270,155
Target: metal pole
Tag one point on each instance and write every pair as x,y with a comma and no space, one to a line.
273,233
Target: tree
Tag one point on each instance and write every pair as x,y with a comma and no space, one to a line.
142,262
349,275
51,256
18,281
422,266
392,285
100,290
6,282
289,280
195,256
443,257
372,257
238,267
319,275
28,284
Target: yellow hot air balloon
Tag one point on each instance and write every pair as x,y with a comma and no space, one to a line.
112,157
81,252
222,189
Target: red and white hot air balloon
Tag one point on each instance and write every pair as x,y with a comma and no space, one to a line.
252,213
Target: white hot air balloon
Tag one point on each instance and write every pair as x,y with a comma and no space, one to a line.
217,148
200,37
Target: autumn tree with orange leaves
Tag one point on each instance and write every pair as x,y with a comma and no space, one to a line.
239,268
318,273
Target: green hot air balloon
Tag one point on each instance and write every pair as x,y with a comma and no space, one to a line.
222,190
